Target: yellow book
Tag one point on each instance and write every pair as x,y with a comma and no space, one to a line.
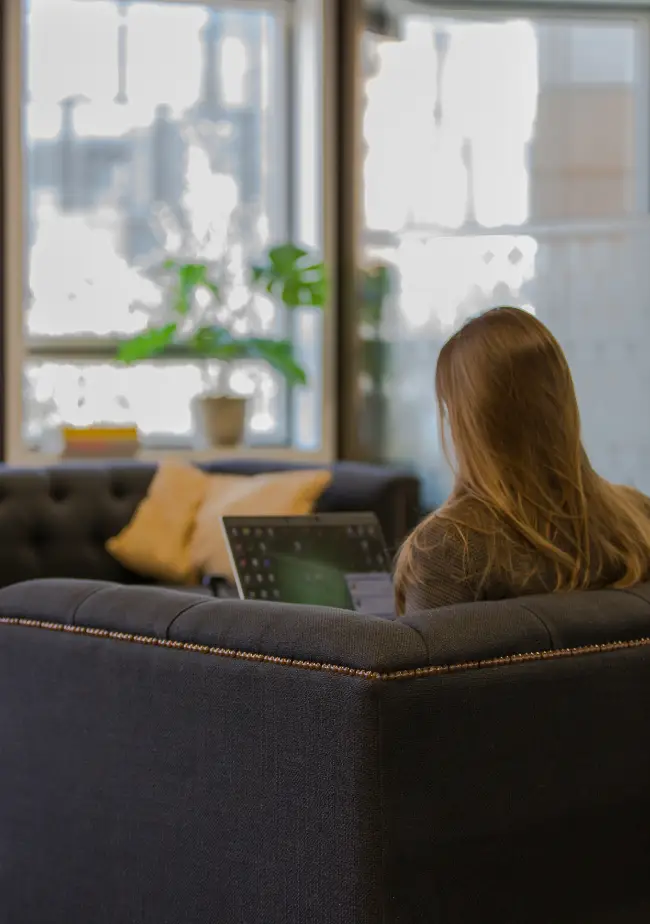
99,434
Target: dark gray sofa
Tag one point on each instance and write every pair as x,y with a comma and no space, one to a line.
54,522
169,759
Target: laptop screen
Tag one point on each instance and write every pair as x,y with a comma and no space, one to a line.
315,560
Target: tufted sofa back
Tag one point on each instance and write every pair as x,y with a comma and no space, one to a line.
54,522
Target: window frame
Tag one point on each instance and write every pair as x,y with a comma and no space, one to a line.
300,16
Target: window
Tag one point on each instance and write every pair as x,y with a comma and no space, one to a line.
520,176
146,123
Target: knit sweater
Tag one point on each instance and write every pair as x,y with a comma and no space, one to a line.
449,569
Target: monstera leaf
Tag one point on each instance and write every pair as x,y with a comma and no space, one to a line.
218,343
291,275
153,342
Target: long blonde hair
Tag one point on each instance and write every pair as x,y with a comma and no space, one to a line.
523,481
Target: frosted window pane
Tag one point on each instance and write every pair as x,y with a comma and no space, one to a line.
517,177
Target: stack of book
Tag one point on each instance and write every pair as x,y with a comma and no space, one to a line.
100,442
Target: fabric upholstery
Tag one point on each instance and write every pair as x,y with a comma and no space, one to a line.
272,494
55,522
168,759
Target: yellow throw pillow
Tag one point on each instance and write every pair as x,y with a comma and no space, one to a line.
156,541
282,494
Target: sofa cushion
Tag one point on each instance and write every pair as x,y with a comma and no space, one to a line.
156,541
278,494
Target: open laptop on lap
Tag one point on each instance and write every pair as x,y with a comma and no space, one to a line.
335,559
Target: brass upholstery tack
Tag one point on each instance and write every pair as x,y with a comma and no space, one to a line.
339,669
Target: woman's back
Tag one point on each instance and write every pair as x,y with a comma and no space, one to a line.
528,514
451,565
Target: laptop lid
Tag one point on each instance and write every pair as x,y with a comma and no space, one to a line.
336,559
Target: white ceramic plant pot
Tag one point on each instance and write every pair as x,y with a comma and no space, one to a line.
222,419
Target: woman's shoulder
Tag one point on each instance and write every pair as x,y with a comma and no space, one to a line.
437,529
439,565
457,520
444,534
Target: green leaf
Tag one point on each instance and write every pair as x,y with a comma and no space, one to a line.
319,292
206,339
292,276
146,345
219,344
214,288
190,276
216,343
285,257
279,355
292,292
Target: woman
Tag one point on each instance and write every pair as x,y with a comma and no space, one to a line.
527,514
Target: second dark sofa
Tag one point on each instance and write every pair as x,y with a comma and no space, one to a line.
54,522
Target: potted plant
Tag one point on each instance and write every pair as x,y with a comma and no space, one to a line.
210,315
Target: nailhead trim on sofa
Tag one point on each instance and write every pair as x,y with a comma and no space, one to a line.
318,666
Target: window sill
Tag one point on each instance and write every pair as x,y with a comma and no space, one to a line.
34,458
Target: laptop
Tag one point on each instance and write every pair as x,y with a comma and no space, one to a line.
329,559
